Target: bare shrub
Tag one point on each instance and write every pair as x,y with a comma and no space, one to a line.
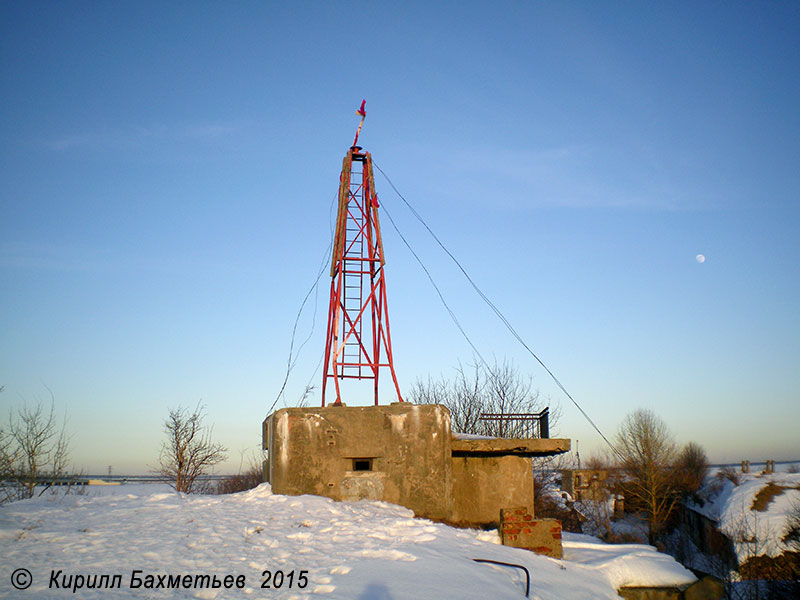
792,540
731,474
792,532
188,451
741,558
241,482
34,450
768,578
598,515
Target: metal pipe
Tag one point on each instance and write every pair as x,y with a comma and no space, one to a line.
505,564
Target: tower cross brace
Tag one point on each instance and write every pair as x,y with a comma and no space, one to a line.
358,342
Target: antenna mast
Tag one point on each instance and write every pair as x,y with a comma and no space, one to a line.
358,317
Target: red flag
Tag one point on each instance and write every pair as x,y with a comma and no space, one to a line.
361,112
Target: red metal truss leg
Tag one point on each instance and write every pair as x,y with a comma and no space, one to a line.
355,341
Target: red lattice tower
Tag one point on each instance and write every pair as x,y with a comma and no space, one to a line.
358,342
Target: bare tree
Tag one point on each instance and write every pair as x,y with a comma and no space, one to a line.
463,396
500,389
510,392
188,451
10,489
647,455
8,460
600,460
691,468
34,449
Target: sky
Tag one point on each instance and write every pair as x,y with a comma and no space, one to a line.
168,173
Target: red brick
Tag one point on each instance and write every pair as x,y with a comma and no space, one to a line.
544,539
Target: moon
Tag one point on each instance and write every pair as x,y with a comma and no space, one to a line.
701,258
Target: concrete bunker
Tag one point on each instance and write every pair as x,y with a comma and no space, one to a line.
404,454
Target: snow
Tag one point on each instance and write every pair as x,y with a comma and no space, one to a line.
754,533
472,436
356,550
625,564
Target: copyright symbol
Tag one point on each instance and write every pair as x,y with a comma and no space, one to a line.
21,579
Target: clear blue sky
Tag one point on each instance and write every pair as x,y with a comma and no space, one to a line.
168,169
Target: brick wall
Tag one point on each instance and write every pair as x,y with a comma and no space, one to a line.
520,530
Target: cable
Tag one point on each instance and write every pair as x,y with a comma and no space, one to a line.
290,363
490,372
314,314
436,287
489,303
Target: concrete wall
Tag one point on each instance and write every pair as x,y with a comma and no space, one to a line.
484,485
586,484
707,588
398,453
404,454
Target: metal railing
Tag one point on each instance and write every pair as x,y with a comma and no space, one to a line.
521,425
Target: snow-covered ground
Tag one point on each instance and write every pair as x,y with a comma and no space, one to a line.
356,550
753,532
